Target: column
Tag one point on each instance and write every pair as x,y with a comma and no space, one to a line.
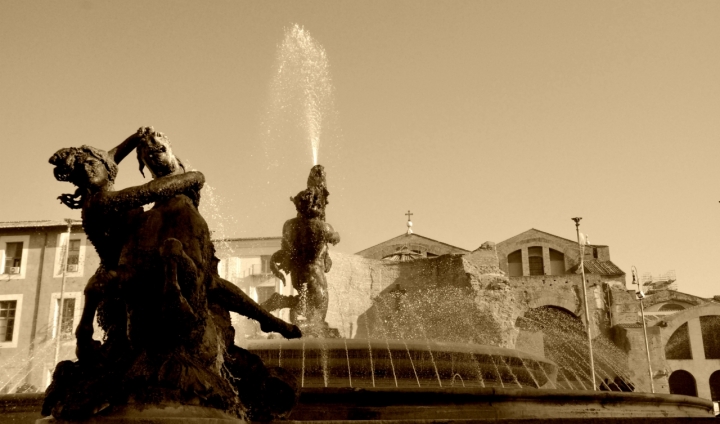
525,261
698,354
546,260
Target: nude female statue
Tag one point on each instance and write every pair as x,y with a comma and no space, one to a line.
80,389
107,216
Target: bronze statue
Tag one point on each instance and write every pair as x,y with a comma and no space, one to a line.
107,217
158,295
304,255
264,392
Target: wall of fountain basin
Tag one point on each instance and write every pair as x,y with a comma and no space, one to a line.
407,382
425,381
404,364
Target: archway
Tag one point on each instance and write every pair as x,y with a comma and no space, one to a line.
671,307
710,328
682,383
678,345
715,386
515,266
557,262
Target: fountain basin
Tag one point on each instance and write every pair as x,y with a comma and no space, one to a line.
416,405
413,405
358,363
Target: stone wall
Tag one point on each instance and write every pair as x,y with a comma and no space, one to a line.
355,282
631,339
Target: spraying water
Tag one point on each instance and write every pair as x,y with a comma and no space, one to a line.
301,89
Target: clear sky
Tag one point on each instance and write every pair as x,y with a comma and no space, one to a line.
485,118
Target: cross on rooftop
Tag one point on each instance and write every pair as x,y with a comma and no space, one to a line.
409,223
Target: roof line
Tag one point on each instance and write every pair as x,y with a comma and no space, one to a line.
247,238
37,224
415,234
554,235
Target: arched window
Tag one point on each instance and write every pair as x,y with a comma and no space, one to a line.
682,383
535,260
710,328
671,307
557,262
715,386
515,268
678,345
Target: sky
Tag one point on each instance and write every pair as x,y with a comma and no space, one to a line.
483,118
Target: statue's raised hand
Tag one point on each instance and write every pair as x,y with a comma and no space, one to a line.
72,201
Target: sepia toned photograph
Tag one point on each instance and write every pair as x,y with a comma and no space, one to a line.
375,211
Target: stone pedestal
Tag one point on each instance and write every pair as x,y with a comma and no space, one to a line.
170,414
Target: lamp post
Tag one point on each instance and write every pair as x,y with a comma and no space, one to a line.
58,323
581,247
640,296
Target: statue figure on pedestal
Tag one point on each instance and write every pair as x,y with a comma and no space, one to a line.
304,255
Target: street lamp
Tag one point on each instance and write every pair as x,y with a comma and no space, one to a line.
58,323
640,296
581,247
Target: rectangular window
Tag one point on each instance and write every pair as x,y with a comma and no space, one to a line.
73,259
265,264
536,265
74,252
13,257
264,293
68,316
535,260
7,319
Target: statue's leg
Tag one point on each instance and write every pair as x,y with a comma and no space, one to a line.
317,296
94,292
233,299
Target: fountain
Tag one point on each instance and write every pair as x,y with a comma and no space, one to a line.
169,356
403,371
168,353
168,349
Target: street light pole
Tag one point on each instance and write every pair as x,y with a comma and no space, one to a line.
58,323
640,295
581,247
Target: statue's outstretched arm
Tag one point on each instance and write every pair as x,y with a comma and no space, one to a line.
123,149
156,190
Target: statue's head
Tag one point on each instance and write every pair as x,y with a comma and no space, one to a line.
317,177
84,166
155,153
310,203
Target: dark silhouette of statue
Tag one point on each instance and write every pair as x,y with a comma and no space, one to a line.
304,255
159,299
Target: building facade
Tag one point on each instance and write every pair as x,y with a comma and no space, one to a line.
36,331
245,262
32,332
528,272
